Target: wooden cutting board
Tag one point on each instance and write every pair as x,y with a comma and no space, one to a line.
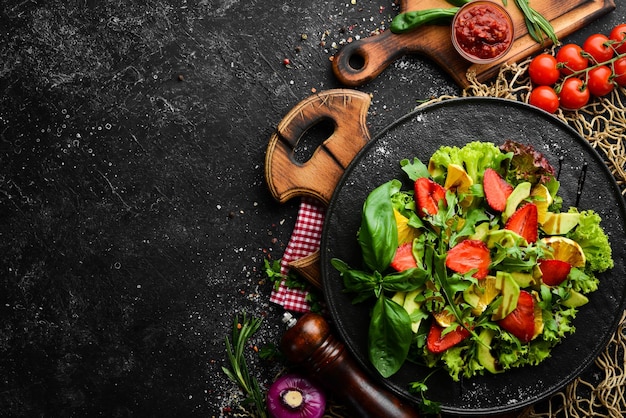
361,61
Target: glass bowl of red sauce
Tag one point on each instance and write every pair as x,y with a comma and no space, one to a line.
482,31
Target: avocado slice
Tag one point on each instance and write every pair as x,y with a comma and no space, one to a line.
410,306
510,294
523,279
506,238
483,353
399,297
575,299
560,223
521,192
480,231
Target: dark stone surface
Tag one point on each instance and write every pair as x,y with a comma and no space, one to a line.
134,216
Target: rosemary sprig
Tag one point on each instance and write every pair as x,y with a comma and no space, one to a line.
242,332
536,23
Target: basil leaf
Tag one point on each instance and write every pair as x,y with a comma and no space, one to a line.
355,280
389,336
378,235
406,280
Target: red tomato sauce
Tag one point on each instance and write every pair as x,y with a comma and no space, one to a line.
483,31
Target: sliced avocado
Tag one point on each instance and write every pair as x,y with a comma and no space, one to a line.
410,305
505,238
521,192
399,297
523,279
484,356
471,296
510,294
575,299
480,231
560,223
537,274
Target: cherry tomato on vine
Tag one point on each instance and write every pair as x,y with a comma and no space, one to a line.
597,45
574,94
617,35
599,82
543,71
544,97
570,58
619,68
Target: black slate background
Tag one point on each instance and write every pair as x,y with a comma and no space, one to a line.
134,215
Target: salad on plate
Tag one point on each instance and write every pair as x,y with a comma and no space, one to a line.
477,268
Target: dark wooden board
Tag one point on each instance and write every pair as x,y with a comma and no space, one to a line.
375,53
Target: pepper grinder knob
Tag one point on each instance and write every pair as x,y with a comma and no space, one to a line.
310,344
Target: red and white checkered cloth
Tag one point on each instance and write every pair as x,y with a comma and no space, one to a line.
305,240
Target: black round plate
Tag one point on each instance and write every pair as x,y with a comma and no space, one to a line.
456,122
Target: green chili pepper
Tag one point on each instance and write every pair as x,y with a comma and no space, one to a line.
408,21
458,3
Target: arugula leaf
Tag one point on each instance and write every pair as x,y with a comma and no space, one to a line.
468,226
389,336
378,235
414,169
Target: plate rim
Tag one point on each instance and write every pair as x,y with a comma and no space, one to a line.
576,371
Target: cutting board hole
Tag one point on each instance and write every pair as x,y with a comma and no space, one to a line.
312,138
356,61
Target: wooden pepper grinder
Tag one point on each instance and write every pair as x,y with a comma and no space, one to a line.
309,343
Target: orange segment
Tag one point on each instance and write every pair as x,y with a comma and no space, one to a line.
542,198
406,233
566,249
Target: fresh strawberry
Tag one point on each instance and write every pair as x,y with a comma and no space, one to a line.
524,222
469,255
497,190
404,260
554,271
521,321
428,194
438,344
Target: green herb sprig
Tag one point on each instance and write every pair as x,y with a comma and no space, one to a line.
538,26
243,330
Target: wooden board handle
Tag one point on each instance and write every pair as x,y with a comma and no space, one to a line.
318,176
309,268
362,61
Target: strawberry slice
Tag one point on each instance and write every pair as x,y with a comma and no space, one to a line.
428,195
497,190
521,321
438,344
554,271
404,260
469,255
524,222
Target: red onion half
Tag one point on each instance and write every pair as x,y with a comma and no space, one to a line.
293,396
